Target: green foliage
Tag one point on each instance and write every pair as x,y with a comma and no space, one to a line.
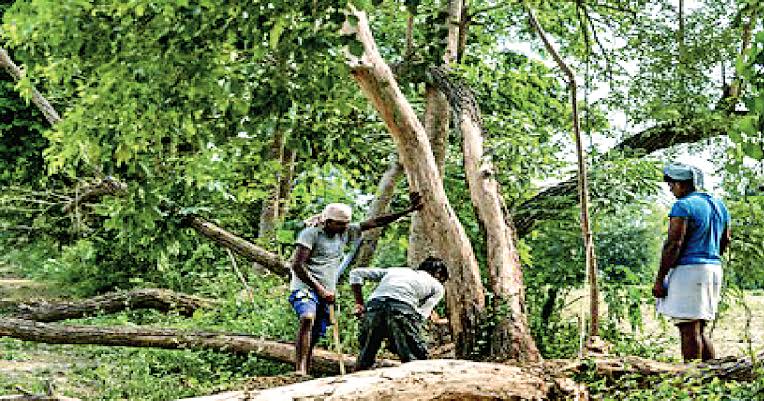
626,258
637,388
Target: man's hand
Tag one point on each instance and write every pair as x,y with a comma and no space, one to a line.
658,290
415,198
359,310
326,295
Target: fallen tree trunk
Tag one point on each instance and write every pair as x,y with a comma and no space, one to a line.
466,380
151,298
269,260
240,344
730,368
417,381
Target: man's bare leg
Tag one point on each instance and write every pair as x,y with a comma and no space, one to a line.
708,347
692,340
303,345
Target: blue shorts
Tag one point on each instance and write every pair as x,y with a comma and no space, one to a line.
306,303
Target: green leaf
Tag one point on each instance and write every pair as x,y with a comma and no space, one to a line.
753,150
275,33
356,48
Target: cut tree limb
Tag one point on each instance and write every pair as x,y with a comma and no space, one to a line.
267,259
466,380
37,98
152,298
240,344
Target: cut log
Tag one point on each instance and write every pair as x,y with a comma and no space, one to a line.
150,298
240,344
466,380
415,381
269,260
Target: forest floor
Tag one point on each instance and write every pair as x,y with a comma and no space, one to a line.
71,368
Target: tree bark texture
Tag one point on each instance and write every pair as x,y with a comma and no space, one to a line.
436,117
511,338
37,98
268,260
465,295
379,206
152,298
323,361
414,381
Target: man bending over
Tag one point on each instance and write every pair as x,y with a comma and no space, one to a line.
397,308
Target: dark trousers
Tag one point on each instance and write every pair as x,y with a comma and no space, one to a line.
394,321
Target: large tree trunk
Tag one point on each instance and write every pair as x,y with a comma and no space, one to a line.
416,381
436,125
510,338
465,295
241,344
379,206
436,116
151,298
266,259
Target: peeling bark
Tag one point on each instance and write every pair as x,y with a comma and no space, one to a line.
464,296
240,344
159,299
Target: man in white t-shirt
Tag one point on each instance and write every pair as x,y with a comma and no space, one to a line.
396,309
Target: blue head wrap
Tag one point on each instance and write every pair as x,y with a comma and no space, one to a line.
684,172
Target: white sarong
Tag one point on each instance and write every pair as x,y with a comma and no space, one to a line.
693,293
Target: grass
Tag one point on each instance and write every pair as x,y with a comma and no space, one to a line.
728,334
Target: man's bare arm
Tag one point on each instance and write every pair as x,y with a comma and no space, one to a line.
298,266
381,221
671,250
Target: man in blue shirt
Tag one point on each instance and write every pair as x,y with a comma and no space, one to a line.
688,284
